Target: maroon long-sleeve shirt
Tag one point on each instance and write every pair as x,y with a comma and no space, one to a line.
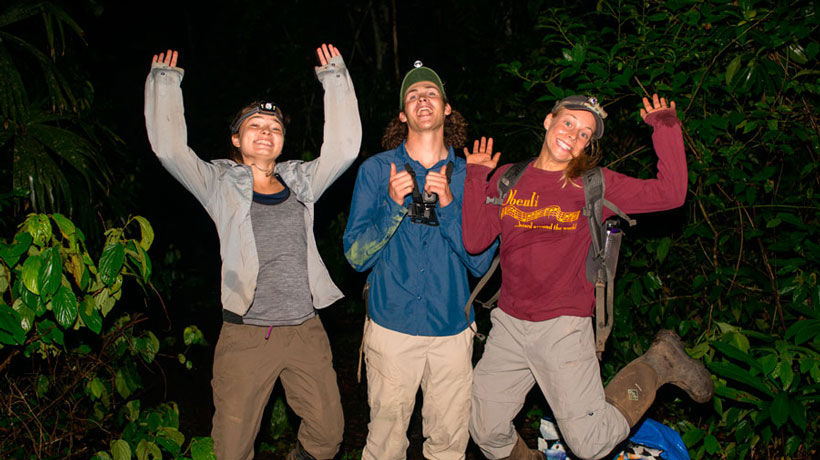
545,237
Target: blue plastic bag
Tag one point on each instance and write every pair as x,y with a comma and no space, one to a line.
656,435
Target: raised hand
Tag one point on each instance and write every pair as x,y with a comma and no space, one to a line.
436,182
168,58
657,103
482,153
325,52
400,184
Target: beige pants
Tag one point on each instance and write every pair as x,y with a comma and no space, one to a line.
246,367
559,355
397,365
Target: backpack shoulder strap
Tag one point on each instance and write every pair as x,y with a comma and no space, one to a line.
594,188
508,181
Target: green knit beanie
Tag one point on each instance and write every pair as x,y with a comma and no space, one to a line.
417,74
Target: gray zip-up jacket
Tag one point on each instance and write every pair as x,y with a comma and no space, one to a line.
225,188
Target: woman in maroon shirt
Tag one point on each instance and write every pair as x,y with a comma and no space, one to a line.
542,331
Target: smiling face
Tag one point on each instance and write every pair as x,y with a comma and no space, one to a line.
260,138
424,107
568,133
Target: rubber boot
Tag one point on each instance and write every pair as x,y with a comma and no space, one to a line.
522,452
299,453
633,389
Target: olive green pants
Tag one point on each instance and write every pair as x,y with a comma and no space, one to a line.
246,366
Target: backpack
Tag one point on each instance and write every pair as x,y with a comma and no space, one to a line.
602,258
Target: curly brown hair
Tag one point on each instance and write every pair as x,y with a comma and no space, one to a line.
583,162
455,131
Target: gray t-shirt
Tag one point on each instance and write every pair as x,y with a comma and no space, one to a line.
282,296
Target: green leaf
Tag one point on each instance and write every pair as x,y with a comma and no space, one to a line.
31,273
64,305
121,384
39,226
96,387
42,385
147,231
11,331
192,335
736,353
111,261
67,228
11,253
51,272
101,455
779,410
278,419
149,347
803,330
711,444
148,450
132,410
172,434
797,412
734,372
26,315
797,54
811,50
692,437
202,449
90,315
121,450
732,69
663,248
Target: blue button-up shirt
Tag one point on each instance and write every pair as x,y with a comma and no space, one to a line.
418,282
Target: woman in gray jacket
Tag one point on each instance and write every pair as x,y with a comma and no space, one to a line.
273,278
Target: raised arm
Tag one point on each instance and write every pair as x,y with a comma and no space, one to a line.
342,135
479,221
165,124
668,189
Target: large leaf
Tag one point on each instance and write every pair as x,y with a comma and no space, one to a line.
51,272
11,253
90,315
736,353
111,261
734,372
11,331
779,410
64,304
31,273
202,449
147,232
120,449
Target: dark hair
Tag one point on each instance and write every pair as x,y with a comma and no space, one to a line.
234,153
455,131
587,160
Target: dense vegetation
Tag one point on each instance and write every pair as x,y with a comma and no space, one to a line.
734,271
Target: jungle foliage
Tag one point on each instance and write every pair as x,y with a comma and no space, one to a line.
71,361
52,145
736,272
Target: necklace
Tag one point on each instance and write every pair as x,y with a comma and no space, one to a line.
268,172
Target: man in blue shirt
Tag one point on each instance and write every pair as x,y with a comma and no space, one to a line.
405,226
